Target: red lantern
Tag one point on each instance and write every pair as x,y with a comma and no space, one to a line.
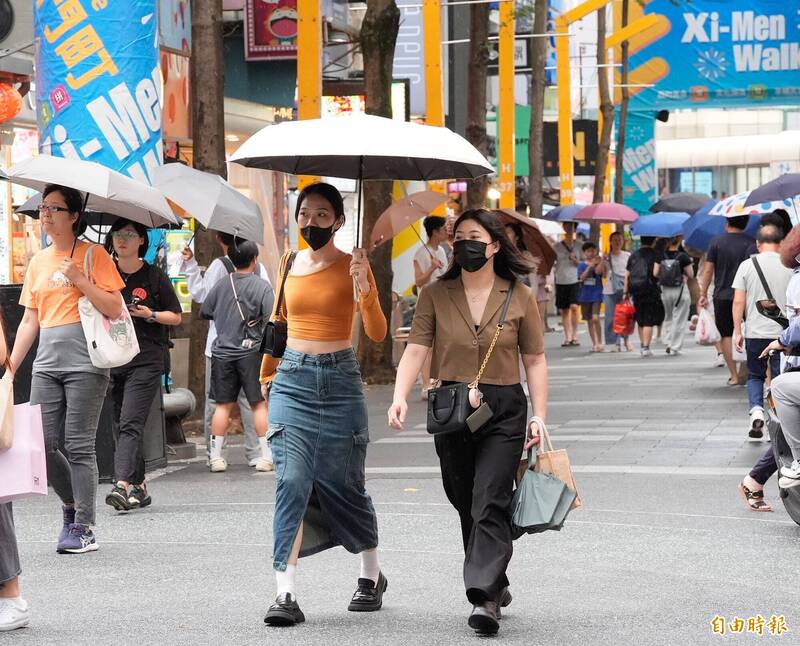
10,102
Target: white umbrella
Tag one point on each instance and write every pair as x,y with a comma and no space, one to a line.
210,200
93,218
107,190
548,227
364,147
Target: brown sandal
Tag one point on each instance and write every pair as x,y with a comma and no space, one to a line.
754,499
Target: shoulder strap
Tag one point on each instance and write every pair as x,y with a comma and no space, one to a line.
286,269
236,297
500,324
228,264
88,263
761,278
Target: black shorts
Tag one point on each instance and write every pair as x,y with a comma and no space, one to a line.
567,295
723,316
649,309
229,377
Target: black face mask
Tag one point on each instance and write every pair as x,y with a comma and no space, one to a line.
317,237
470,254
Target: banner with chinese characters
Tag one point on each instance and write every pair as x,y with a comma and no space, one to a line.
714,53
98,82
639,176
270,29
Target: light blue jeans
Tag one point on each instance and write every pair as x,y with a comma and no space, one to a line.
318,435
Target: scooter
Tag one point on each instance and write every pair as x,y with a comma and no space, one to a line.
783,458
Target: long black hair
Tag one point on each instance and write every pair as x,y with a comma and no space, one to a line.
121,223
508,262
517,227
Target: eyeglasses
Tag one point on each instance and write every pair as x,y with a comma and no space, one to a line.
125,235
50,208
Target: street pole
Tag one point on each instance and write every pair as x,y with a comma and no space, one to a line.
208,148
309,73
506,107
434,83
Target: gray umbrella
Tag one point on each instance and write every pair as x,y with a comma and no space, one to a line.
680,203
785,187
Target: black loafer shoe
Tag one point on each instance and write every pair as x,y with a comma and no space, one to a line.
504,600
483,619
284,612
368,596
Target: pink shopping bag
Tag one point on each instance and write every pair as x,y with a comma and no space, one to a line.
23,468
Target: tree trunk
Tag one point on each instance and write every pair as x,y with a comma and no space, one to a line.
208,126
536,134
377,39
476,96
619,195
606,108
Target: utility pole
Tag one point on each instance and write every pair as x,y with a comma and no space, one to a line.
208,126
536,132
476,95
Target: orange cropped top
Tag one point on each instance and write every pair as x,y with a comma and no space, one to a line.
320,307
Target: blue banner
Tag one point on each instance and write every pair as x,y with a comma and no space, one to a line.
98,82
716,53
639,176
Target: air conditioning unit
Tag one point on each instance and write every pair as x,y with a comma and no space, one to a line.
16,37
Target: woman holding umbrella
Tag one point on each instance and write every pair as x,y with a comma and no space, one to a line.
154,307
65,383
458,317
318,428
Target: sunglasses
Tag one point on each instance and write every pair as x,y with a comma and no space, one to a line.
49,208
125,235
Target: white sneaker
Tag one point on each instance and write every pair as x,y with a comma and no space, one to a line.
218,465
790,476
646,352
253,461
264,464
14,613
719,362
756,424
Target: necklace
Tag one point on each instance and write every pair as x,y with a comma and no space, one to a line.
476,297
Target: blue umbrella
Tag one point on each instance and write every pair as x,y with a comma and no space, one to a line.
701,228
660,225
563,213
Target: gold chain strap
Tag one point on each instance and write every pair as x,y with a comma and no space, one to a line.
499,329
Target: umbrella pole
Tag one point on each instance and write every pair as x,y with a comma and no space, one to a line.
796,217
360,190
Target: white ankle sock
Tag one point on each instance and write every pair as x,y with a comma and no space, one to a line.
285,580
265,450
216,446
370,567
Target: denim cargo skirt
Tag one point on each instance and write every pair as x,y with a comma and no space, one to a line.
318,434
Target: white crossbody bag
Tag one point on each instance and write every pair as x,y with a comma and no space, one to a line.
112,342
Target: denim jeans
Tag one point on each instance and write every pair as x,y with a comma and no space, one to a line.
71,403
757,370
318,434
610,302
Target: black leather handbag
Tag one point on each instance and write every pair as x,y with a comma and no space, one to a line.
276,331
449,406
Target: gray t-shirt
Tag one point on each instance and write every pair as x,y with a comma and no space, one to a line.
566,270
239,327
63,349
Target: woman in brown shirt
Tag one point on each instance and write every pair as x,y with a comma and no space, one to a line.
457,317
318,428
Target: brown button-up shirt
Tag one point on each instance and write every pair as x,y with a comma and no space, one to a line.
442,321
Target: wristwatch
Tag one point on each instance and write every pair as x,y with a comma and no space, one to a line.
151,318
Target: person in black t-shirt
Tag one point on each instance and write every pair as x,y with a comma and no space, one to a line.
641,283
725,253
152,302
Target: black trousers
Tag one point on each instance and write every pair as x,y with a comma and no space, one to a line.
133,390
765,468
478,475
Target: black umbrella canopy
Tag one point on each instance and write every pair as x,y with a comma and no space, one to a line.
680,203
785,187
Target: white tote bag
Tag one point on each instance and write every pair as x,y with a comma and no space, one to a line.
6,411
112,342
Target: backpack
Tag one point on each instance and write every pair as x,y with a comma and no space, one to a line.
671,273
639,276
